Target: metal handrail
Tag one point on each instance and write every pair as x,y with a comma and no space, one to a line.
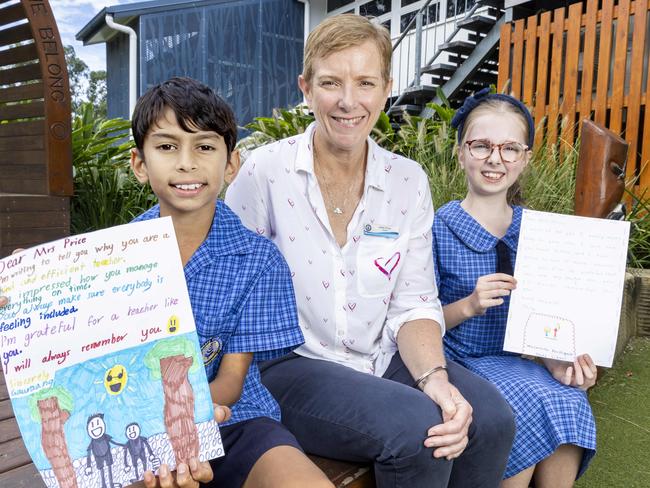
408,26
438,51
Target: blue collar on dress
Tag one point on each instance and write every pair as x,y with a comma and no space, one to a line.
471,233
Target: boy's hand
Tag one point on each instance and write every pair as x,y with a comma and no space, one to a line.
184,477
3,301
198,471
221,413
488,292
582,373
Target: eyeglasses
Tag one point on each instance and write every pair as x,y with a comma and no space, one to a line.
510,152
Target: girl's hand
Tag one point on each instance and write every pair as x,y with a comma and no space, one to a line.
582,373
488,292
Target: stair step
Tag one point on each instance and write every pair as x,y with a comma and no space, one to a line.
440,69
418,95
462,48
477,23
492,3
400,110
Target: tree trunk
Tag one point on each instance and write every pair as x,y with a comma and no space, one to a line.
53,441
179,407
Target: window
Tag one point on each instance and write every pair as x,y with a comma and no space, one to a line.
375,8
431,15
334,4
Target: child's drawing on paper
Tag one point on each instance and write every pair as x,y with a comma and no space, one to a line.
549,336
89,428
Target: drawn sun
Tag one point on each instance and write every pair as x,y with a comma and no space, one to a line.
115,379
114,369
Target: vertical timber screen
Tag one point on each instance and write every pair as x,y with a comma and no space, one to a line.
584,62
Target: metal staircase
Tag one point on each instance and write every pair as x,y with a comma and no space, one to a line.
464,59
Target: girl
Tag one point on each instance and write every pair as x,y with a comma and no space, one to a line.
474,247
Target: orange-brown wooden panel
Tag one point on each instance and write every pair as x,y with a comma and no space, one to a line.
30,128
604,55
5,409
644,164
26,72
24,186
11,14
23,477
31,237
23,171
21,143
13,35
32,203
13,454
32,109
517,58
34,157
570,85
620,61
557,30
8,430
504,56
636,82
29,91
530,60
542,74
19,54
26,220
588,66
56,96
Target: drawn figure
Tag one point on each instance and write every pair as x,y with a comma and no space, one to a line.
172,324
100,447
135,446
115,379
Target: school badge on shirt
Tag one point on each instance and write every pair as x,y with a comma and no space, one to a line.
210,350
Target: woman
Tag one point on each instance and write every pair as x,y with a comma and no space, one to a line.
354,223
475,244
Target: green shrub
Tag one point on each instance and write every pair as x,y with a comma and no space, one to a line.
105,191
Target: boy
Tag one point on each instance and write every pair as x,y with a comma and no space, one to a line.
239,284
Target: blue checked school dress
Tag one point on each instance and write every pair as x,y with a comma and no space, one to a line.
547,413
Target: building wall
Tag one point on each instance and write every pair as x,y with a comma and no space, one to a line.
117,76
249,51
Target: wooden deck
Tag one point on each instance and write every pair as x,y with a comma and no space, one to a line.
16,468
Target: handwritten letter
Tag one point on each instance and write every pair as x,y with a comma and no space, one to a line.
570,273
101,358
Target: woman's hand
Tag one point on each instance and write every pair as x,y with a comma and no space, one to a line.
187,475
450,438
488,292
582,373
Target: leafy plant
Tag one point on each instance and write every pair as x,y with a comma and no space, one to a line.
106,192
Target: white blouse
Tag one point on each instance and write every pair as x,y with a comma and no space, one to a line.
352,300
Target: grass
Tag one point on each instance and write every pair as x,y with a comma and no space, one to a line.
620,402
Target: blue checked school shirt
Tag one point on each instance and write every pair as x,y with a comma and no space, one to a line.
242,298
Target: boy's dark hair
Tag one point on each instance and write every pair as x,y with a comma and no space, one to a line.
196,106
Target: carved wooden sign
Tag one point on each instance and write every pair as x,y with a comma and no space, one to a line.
56,95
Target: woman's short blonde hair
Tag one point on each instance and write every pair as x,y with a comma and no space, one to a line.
341,32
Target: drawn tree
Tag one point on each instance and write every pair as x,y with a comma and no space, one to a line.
171,361
51,407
